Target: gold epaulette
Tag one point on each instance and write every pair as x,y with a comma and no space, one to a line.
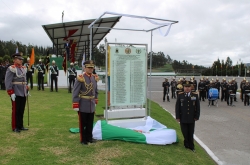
96,77
180,93
80,78
195,93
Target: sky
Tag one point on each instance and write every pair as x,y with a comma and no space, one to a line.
206,31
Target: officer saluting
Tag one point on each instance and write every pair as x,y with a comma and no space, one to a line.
72,75
187,111
30,72
53,76
15,80
84,98
41,72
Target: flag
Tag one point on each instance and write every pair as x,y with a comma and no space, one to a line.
64,63
152,132
70,33
17,50
32,57
83,59
72,53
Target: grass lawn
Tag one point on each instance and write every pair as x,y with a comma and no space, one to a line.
48,140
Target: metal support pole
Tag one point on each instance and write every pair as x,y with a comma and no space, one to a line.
150,70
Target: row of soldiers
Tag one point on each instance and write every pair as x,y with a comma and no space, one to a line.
41,68
227,89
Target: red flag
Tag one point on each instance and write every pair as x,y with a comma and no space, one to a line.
70,33
64,63
72,53
32,58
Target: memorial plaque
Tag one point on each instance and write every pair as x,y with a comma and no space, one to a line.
128,74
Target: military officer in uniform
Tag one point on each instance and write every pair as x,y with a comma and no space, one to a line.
202,89
41,72
223,85
235,84
173,85
217,86
16,86
30,73
165,86
54,72
187,111
246,93
230,93
84,98
242,84
72,75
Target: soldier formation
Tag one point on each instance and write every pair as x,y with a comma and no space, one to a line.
227,89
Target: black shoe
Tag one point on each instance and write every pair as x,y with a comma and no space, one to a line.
92,141
24,129
84,143
16,130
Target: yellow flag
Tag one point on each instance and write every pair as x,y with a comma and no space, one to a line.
32,57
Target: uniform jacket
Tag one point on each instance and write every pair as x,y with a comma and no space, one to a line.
72,71
16,74
165,85
32,68
41,68
87,86
187,108
54,70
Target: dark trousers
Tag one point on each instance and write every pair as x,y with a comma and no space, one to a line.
2,84
229,99
173,92
29,78
224,95
165,92
71,81
246,99
86,126
202,95
53,78
40,81
187,130
17,112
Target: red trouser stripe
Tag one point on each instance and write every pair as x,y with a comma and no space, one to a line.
80,125
13,115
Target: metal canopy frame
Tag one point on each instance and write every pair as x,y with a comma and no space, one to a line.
84,38
91,27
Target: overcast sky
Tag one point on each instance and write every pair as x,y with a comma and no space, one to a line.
207,30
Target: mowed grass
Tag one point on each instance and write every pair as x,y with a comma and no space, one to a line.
48,140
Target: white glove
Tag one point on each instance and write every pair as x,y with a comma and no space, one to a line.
76,109
43,75
32,74
13,97
28,93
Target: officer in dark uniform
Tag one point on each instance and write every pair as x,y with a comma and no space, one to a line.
30,73
207,82
72,75
54,72
16,86
235,84
165,86
242,84
246,93
223,85
202,89
41,72
173,84
187,111
230,92
194,83
84,98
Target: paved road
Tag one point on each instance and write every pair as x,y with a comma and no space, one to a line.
225,130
